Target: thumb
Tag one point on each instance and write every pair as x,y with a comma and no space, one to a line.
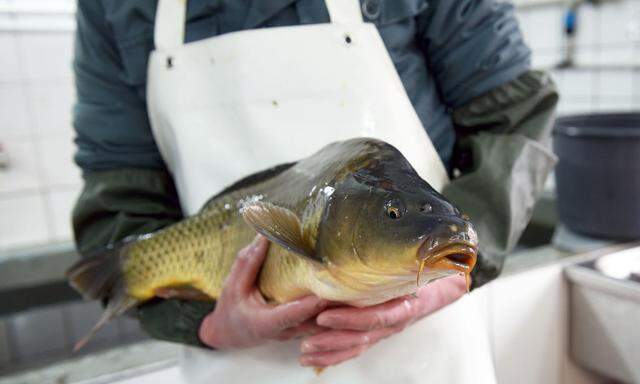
245,268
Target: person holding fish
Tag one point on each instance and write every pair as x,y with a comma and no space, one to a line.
388,154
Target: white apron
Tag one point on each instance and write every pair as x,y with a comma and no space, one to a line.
231,105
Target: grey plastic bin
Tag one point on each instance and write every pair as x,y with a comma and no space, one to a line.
598,174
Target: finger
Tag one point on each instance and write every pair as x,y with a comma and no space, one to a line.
428,299
292,313
341,340
366,319
245,268
308,328
440,293
325,359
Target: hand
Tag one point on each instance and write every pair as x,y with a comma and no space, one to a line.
353,330
242,318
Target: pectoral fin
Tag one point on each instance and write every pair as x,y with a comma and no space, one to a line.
279,225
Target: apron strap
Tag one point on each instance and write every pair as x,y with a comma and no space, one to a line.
344,11
169,27
171,15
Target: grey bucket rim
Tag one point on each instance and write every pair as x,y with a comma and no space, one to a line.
569,126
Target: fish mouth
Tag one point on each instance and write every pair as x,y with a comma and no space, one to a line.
458,256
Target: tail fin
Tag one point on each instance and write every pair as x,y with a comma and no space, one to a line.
100,277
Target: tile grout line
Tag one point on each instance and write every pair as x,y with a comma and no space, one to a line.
597,74
37,147
20,192
635,90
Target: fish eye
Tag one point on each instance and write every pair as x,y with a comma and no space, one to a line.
393,210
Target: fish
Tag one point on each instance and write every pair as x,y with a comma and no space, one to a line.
353,223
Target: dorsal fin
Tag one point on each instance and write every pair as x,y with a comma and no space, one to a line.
254,178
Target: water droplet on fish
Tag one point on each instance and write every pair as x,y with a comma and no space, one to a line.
328,190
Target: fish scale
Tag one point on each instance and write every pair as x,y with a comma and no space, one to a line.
191,253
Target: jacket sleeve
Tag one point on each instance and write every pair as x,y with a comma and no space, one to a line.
127,188
503,157
471,47
110,115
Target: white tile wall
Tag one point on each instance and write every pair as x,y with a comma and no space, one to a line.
37,15
590,25
61,200
542,27
625,14
15,119
23,173
616,85
52,103
38,188
615,104
608,35
55,47
9,60
576,84
57,161
23,220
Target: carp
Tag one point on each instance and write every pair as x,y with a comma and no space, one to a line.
352,223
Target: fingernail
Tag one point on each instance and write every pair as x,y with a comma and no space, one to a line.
307,347
324,321
304,361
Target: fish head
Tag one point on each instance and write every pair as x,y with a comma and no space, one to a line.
385,224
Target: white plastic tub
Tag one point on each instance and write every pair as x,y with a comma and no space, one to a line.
605,315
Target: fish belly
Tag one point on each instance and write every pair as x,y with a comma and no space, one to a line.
285,276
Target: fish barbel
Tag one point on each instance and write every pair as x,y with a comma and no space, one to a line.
353,223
